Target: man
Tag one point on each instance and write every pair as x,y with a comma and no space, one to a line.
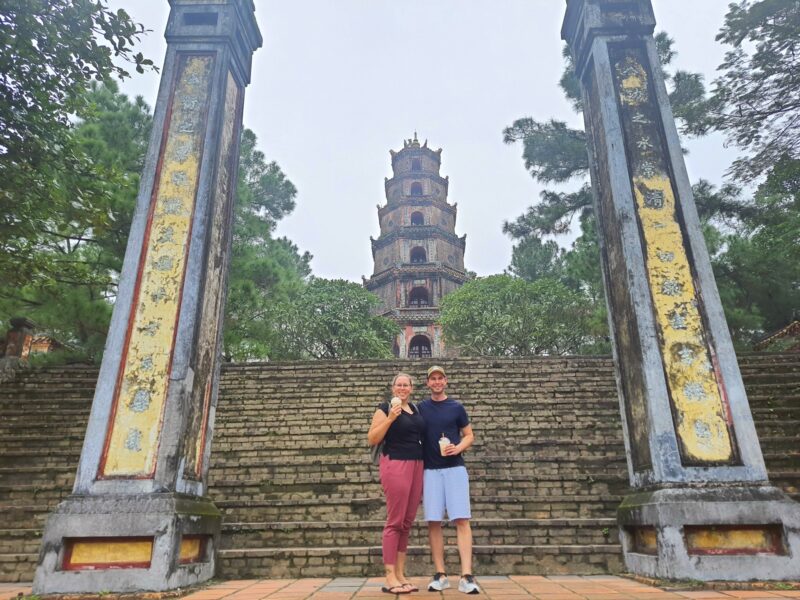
446,484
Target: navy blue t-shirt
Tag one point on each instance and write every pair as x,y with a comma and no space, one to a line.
446,417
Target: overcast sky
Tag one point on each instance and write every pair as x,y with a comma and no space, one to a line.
340,82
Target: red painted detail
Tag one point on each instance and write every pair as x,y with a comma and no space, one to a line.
142,259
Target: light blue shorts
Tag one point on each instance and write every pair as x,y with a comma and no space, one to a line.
446,489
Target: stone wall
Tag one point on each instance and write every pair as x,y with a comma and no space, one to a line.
291,473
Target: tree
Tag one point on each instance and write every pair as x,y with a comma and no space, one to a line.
532,259
756,99
50,51
332,319
66,280
263,279
264,272
502,315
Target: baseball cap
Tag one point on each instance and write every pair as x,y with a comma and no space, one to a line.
436,369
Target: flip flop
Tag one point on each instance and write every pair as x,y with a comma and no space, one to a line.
395,589
410,587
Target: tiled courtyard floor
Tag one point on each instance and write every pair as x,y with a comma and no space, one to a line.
494,588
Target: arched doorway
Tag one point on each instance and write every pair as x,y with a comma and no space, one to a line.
420,347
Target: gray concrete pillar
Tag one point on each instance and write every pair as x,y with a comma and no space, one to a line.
702,507
138,518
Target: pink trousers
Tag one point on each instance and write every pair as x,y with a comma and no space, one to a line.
402,486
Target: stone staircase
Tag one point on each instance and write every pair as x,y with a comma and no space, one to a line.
291,474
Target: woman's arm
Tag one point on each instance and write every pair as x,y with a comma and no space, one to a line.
381,423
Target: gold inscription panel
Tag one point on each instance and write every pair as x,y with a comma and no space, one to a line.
132,443
699,407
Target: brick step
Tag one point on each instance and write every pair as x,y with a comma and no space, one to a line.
238,413
28,515
268,419
16,567
373,508
23,541
365,561
486,532
522,452
490,532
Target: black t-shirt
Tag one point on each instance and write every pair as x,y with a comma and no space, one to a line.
442,417
403,440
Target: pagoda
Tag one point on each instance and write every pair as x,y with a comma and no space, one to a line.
418,258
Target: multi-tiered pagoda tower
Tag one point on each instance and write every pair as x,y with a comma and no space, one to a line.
418,257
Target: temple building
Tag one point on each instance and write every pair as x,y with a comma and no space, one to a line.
418,258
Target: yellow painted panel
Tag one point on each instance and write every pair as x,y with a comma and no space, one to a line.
701,419
190,549
645,539
133,442
720,540
110,552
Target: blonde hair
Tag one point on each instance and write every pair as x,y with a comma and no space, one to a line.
401,374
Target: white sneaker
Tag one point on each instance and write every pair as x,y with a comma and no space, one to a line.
438,583
467,585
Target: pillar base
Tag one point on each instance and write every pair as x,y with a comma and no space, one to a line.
713,533
128,543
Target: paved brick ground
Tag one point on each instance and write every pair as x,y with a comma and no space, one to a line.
600,587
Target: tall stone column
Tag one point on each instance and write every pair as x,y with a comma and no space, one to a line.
138,518
702,507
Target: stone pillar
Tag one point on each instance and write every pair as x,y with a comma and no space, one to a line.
138,518
702,507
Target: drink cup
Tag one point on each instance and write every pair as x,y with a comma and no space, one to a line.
443,443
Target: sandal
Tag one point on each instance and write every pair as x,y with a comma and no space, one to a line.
410,587
395,589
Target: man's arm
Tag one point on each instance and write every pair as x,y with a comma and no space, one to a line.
467,439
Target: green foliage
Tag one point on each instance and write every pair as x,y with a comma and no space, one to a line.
759,271
263,278
552,151
332,319
533,259
502,315
65,280
756,100
50,51
264,271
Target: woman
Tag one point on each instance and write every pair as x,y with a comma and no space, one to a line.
401,428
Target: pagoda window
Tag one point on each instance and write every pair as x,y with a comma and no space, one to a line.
418,255
420,347
418,297
416,164
417,218
416,189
